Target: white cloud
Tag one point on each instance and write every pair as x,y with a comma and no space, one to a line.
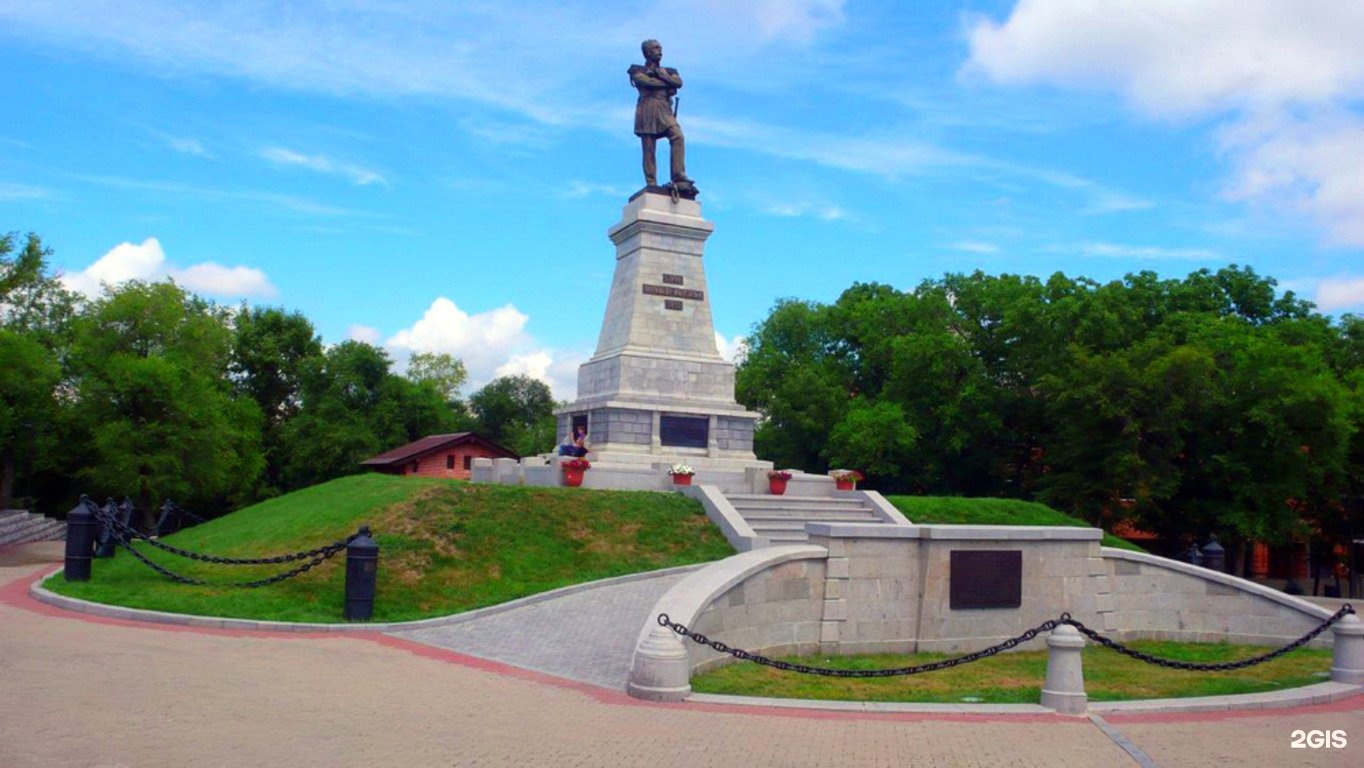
1106,201
578,189
1340,293
734,350
363,333
484,341
1115,251
798,210
491,344
188,146
1175,58
1285,77
422,47
974,246
217,280
794,20
14,191
323,164
535,365
147,261
1315,166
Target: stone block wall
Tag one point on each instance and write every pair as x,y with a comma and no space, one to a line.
1162,599
1057,579
733,434
859,588
889,587
776,610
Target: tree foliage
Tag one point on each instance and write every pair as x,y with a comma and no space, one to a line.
354,407
1207,403
517,412
149,365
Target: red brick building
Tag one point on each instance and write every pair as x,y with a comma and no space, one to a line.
439,456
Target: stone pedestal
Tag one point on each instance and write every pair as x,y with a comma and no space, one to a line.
657,389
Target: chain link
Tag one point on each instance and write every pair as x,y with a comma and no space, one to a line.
131,532
1012,642
1221,666
122,537
933,666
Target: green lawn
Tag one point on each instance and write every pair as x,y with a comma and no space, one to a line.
962,511
448,546
1016,678
445,547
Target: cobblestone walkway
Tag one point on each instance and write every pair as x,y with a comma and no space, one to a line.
80,690
587,636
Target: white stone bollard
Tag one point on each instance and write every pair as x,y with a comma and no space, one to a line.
1347,657
1064,690
661,669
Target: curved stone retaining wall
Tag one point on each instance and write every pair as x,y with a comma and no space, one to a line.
767,599
1155,598
859,588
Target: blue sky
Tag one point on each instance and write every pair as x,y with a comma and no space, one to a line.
432,175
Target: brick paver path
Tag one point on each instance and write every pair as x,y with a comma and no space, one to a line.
80,691
587,636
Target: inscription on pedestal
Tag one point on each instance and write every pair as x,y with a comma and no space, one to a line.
672,304
986,579
674,292
684,431
672,279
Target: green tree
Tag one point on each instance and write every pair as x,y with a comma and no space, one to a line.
873,437
32,301
28,406
442,370
800,379
353,408
271,350
154,400
517,412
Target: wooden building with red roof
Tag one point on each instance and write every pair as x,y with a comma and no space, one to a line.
439,456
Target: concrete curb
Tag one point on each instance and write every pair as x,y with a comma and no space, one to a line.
44,595
1320,693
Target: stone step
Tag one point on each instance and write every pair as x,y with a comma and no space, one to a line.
18,521
830,515
38,529
768,500
777,538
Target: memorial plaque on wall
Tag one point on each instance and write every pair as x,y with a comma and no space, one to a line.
986,579
684,431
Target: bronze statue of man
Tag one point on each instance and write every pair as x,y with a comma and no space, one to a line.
656,116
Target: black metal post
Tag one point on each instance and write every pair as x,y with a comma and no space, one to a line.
362,570
80,541
105,542
1193,556
1214,556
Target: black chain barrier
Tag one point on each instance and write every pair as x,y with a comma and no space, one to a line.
739,653
1012,642
1221,666
124,534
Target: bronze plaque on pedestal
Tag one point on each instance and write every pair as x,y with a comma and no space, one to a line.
986,579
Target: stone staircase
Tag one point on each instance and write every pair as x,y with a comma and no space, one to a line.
782,519
19,527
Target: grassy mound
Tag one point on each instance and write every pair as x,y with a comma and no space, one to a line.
1016,678
445,547
961,511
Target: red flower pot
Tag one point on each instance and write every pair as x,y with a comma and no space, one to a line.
777,485
682,479
846,485
573,478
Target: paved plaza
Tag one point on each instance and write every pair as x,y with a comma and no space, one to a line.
86,691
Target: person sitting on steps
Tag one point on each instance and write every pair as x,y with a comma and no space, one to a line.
577,443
